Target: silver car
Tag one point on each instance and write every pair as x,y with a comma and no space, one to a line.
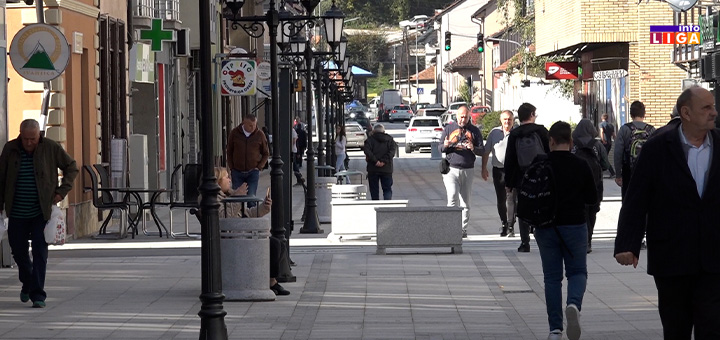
400,112
355,135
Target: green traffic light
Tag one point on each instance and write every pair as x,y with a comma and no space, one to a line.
481,49
447,47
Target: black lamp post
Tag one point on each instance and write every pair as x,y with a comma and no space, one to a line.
212,314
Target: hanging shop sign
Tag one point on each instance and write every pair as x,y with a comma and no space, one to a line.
263,76
565,70
39,52
237,77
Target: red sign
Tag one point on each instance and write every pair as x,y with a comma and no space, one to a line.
567,70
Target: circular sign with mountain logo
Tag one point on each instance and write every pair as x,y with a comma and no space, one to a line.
39,52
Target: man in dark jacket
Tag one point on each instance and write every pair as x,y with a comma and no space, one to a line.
379,151
28,189
247,153
513,171
462,143
675,194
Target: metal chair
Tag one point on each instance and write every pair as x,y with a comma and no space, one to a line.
191,176
102,200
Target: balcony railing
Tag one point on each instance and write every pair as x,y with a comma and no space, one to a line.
144,8
168,9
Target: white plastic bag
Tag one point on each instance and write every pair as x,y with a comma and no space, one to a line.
55,230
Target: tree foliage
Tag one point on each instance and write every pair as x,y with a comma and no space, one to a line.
386,12
367,49
464,92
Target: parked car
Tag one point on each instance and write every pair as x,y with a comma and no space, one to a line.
453,107
355,135
417,21
400,112
372,111
432,110
421,131
448,118
417,106
477,113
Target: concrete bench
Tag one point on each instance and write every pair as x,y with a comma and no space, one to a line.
356,218
416,227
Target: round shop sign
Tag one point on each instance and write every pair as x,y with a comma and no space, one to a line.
39,52
237,77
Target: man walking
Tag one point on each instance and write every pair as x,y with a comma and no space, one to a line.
607,133
462,142
28,189
565,242
247,153
496,144
524,143
379,151
630,139
674,194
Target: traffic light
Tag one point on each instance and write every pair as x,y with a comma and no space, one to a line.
447,41
480,43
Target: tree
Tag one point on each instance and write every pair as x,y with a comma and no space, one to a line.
368,50
465,93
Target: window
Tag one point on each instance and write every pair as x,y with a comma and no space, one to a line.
426,122
113,92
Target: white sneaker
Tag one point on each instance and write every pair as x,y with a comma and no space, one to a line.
556,334
572,315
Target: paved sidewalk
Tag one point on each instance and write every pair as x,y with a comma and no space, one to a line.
148,288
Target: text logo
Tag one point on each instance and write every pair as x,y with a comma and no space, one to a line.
682,34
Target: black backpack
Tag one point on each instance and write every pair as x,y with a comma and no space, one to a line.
302,138
638,137
591,157
537,201
527,148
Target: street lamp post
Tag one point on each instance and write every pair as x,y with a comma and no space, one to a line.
212,314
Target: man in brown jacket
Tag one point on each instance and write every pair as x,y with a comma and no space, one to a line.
247,153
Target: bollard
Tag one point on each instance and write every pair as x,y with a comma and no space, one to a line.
245,259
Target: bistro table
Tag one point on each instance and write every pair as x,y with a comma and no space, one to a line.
242,199
324,168
347,173
142,206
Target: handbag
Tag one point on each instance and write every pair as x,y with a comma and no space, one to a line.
444,166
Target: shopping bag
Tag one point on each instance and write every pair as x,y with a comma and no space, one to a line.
55,230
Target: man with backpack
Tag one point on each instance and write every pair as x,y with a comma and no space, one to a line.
630,139
496,144
553,195
525,142
589,149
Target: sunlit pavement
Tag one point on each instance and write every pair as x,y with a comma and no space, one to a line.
148,288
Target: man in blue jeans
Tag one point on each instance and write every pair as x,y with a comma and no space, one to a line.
379,151
247,153
566,242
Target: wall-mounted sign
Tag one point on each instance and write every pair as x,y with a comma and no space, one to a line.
39,52
77,42
263,76
567,70
609,74
237,77
157,35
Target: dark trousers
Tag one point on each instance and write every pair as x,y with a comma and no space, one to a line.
591,217
276,253
524,231
608,146
687,301
498,175
377,179
32,272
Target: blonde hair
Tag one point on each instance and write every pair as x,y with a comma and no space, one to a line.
220,173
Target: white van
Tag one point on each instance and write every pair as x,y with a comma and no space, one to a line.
388,100
373,108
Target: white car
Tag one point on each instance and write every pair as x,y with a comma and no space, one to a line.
453,107
421,131
417,21
355,135
400,112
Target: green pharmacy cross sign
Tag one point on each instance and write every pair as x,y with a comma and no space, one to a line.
157,35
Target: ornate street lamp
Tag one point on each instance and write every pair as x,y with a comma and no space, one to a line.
343,47
334,20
